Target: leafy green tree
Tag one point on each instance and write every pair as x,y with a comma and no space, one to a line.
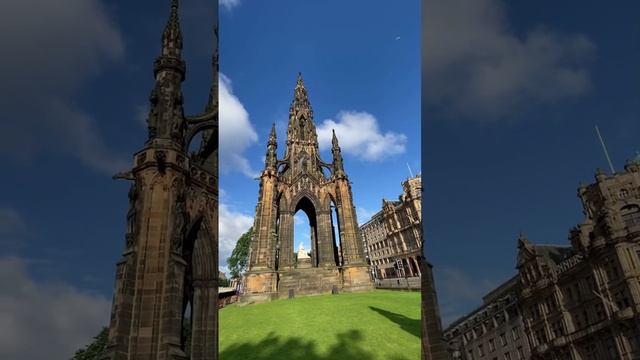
223,282
94,350
240,255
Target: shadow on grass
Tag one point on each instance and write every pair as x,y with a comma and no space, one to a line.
412,326
273,347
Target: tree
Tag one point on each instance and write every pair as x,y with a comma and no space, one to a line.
94,350
223,282
240,255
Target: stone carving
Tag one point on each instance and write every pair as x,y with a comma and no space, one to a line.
181,222
130,236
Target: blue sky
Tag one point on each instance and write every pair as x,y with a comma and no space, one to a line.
512,93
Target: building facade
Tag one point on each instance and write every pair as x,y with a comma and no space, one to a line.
170,260
583,302
580,301
494,331
393,236
302,181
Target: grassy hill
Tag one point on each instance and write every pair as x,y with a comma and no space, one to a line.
376,325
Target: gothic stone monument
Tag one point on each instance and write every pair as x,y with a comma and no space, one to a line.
297,182
170,262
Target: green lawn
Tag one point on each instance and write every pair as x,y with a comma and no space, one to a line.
381,325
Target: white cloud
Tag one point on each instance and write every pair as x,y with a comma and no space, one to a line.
58,317
231,225
359,135
364,215
476,65
229,4
53,49
236,132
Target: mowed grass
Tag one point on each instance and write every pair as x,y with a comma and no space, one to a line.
375,325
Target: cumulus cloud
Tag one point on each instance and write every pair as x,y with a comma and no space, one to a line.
359,135
231,225
476,65
229,4
52,49
236,131
58,317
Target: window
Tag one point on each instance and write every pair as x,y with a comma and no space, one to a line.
631,215
480,350
557,329
520,353
470,355
503,339
507,356
515,334
492,345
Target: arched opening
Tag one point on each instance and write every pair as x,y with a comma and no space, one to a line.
335,233
199,289
305,234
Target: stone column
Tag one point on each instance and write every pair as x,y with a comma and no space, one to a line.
434,347
325,239
203,321
262,243
173,306
286,240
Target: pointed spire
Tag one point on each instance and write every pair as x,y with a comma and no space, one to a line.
271,160
212,104
166,115
172,35
301,126
272,135
300,97
338,167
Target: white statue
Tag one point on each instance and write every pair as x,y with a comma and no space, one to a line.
302,253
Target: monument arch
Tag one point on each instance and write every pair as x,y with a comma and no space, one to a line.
302,181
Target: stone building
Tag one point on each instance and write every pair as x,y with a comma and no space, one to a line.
495,330
170,260
394,234
302,181
582,301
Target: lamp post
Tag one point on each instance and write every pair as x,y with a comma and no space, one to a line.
399,267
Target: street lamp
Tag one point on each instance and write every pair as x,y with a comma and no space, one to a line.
399,267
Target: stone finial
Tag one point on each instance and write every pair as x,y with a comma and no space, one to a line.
172,35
